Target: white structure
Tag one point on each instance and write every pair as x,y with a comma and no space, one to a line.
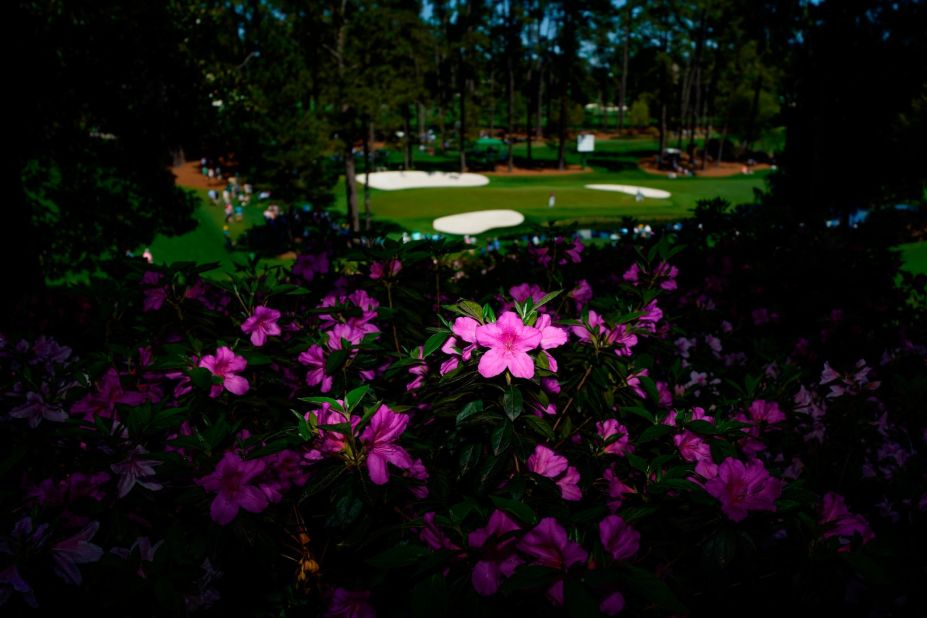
394,181
657,194
478,222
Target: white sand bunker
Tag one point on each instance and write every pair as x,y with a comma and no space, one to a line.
478,222
632,190
394,181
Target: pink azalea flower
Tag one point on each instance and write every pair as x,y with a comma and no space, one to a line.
432,536
612,605
551,337
556,467
134,469
574,252
231,481
226,364
328,441
632,275
597,326
582,293
508,340
350,604
692,447
523,292
76,550
609,428
314,358
741,488
766,411
36,409
616,489
378,270
379,437
308,266
652,314
668,273
548,544
498,557
263,322
623,339
840,522
103,402
620,540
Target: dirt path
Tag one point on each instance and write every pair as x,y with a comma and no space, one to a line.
189,175
713,170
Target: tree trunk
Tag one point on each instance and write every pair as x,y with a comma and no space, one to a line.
350,184
529,114
662,133
367,135
407,129
624,68
510,85
462,133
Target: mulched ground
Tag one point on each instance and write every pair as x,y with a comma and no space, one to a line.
712,170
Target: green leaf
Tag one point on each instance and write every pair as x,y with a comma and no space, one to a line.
512,403
399,556
434,342
474,407
201,377
334,403
578,601
354,397
459,511
430,598
255,360
501,438
336,359
650,586
650,387
639,411
530,576
702,427
520,510
638,463
539,426
654,432
488,314
470,308
342,428
547,298
469,456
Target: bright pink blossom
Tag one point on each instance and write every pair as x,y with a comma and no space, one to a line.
231,482
548,544
741,488
350,604
508,340
838,521
620,540
556,467
314,358
498,558
379,438
616,437
378,270
263,322
75,550
226,365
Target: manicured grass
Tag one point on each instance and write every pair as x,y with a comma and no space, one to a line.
614,162
415,209
206,243
914,257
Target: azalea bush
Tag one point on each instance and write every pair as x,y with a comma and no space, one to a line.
653,428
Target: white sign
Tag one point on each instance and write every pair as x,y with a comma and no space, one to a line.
585,142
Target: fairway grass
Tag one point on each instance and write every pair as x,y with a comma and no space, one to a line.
414,210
